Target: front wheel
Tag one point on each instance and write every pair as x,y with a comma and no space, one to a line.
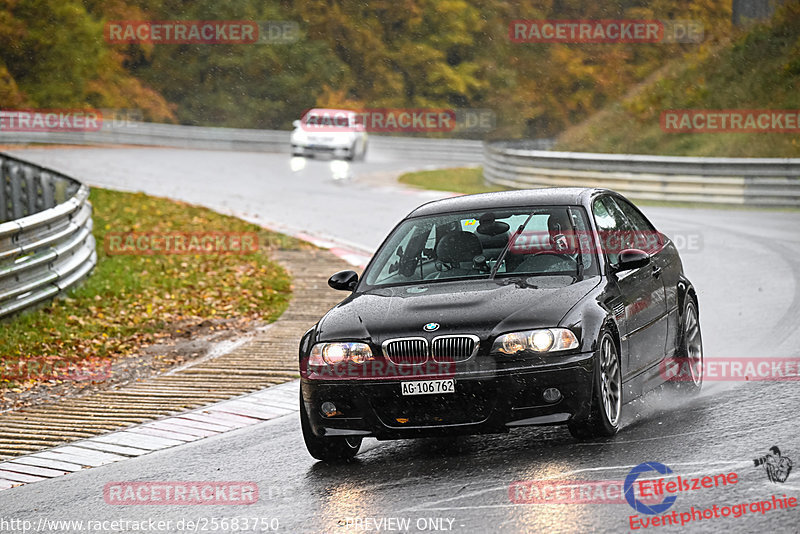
327,449
606,408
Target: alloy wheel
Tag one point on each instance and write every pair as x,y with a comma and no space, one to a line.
610,380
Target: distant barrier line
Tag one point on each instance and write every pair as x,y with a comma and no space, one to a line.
730,181
513,164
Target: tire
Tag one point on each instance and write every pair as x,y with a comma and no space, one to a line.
331,450
689,355
606,405
352,153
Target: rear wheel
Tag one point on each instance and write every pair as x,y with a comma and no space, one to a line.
327,449
689,356
606,408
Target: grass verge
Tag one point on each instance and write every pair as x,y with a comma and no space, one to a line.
758,69
131,301
459,180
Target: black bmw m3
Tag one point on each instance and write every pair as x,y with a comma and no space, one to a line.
486,312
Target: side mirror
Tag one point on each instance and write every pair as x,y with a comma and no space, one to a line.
296,124
343,280
632,258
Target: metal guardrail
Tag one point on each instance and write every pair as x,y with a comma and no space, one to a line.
456,150
46,241
515,164
734,181
128,132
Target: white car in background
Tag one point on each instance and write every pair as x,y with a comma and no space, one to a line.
338,132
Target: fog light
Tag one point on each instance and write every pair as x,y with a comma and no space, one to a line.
329,409
551,395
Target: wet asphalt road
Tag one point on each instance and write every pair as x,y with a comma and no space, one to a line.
745,265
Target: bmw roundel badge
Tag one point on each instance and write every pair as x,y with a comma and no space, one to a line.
431,327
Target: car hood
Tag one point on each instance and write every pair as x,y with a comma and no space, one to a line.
482,307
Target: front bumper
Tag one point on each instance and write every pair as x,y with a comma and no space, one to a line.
311,149
485,402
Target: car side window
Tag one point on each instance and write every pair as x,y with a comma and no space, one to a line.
636,219
646,237
613,228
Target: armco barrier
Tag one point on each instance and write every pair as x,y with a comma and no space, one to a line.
155,134
734,181
46,241
114,132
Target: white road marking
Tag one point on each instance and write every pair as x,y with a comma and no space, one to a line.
160,434
722,431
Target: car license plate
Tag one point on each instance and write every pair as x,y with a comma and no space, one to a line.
429,387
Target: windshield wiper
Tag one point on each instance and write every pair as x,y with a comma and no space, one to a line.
511,240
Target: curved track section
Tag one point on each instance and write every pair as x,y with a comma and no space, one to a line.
745,265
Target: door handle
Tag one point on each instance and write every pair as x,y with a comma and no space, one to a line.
656,271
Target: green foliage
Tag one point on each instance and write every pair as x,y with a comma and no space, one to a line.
381,53
758,69
52,55
235,85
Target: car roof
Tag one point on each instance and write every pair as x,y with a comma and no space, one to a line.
550,196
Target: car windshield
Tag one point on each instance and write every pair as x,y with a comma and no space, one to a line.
330,119
485,244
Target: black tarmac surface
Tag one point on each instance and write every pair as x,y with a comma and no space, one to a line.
745,264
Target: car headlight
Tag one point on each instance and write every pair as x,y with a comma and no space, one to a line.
543,340
335,353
